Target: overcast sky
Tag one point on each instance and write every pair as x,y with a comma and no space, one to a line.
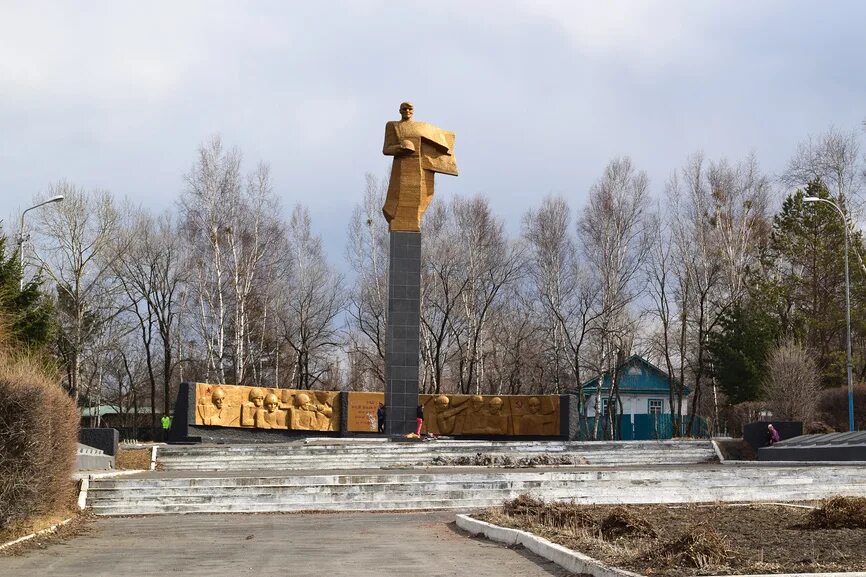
541,94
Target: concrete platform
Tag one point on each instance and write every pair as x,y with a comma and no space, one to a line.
356,545
364,454
825,448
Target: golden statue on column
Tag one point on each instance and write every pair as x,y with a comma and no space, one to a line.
420,150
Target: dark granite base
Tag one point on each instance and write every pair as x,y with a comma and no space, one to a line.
402,341
100,438
827,447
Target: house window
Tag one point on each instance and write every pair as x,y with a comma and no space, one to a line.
655,407
604,406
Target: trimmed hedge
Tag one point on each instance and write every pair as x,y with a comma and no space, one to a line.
38,442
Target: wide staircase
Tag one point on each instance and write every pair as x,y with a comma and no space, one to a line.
330,454
364,475
465,488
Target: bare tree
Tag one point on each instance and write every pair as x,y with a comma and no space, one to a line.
834,158
312,300
792,387
233,228
490,262
152,274
77,249
367,254
614,233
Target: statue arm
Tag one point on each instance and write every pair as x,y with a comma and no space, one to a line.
393,146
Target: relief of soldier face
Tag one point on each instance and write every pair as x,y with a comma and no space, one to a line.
217,398
257,397
442,402
495,405
302,401
477,403
534,405
271,403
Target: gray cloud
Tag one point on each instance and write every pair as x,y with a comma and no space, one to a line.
541,94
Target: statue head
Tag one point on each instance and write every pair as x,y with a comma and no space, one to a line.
495,405
322,396
477,403
441,402
406,110
271,403
534,405
257,397
217,397
302,400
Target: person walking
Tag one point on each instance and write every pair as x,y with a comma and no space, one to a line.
380,417
419,420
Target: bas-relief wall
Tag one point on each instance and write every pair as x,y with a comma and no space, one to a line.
271,408
505,415
266,408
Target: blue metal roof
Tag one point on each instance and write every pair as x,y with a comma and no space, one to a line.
636,375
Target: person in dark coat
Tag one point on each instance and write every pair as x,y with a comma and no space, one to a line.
380,417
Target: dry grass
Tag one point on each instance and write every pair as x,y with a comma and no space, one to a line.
685,540
79,524
136,459
38,440
838,513
621,522
700,548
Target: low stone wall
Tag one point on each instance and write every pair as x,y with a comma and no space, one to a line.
104,439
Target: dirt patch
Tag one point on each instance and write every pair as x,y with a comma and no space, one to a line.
79,525
695,539
135,459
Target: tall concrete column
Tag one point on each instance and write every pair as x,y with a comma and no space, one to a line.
402,341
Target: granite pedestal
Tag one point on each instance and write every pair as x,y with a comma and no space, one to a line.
402,341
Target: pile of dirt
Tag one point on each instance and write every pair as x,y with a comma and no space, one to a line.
621,522
523,506
552,515
699,548
488,460
838,513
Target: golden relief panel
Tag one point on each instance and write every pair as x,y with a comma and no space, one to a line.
362,407
266,408
508,415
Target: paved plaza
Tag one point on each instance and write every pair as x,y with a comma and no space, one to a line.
350,544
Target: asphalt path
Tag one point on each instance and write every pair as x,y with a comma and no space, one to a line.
321,545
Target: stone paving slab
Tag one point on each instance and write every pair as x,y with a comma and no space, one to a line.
333,545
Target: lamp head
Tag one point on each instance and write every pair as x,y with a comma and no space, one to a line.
811,199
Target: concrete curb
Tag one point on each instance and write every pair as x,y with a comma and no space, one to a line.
578,562
50,529
565,558
718,451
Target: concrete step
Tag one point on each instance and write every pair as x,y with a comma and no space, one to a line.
360,455
125,496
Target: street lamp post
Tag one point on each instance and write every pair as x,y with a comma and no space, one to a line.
21,237
847,310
